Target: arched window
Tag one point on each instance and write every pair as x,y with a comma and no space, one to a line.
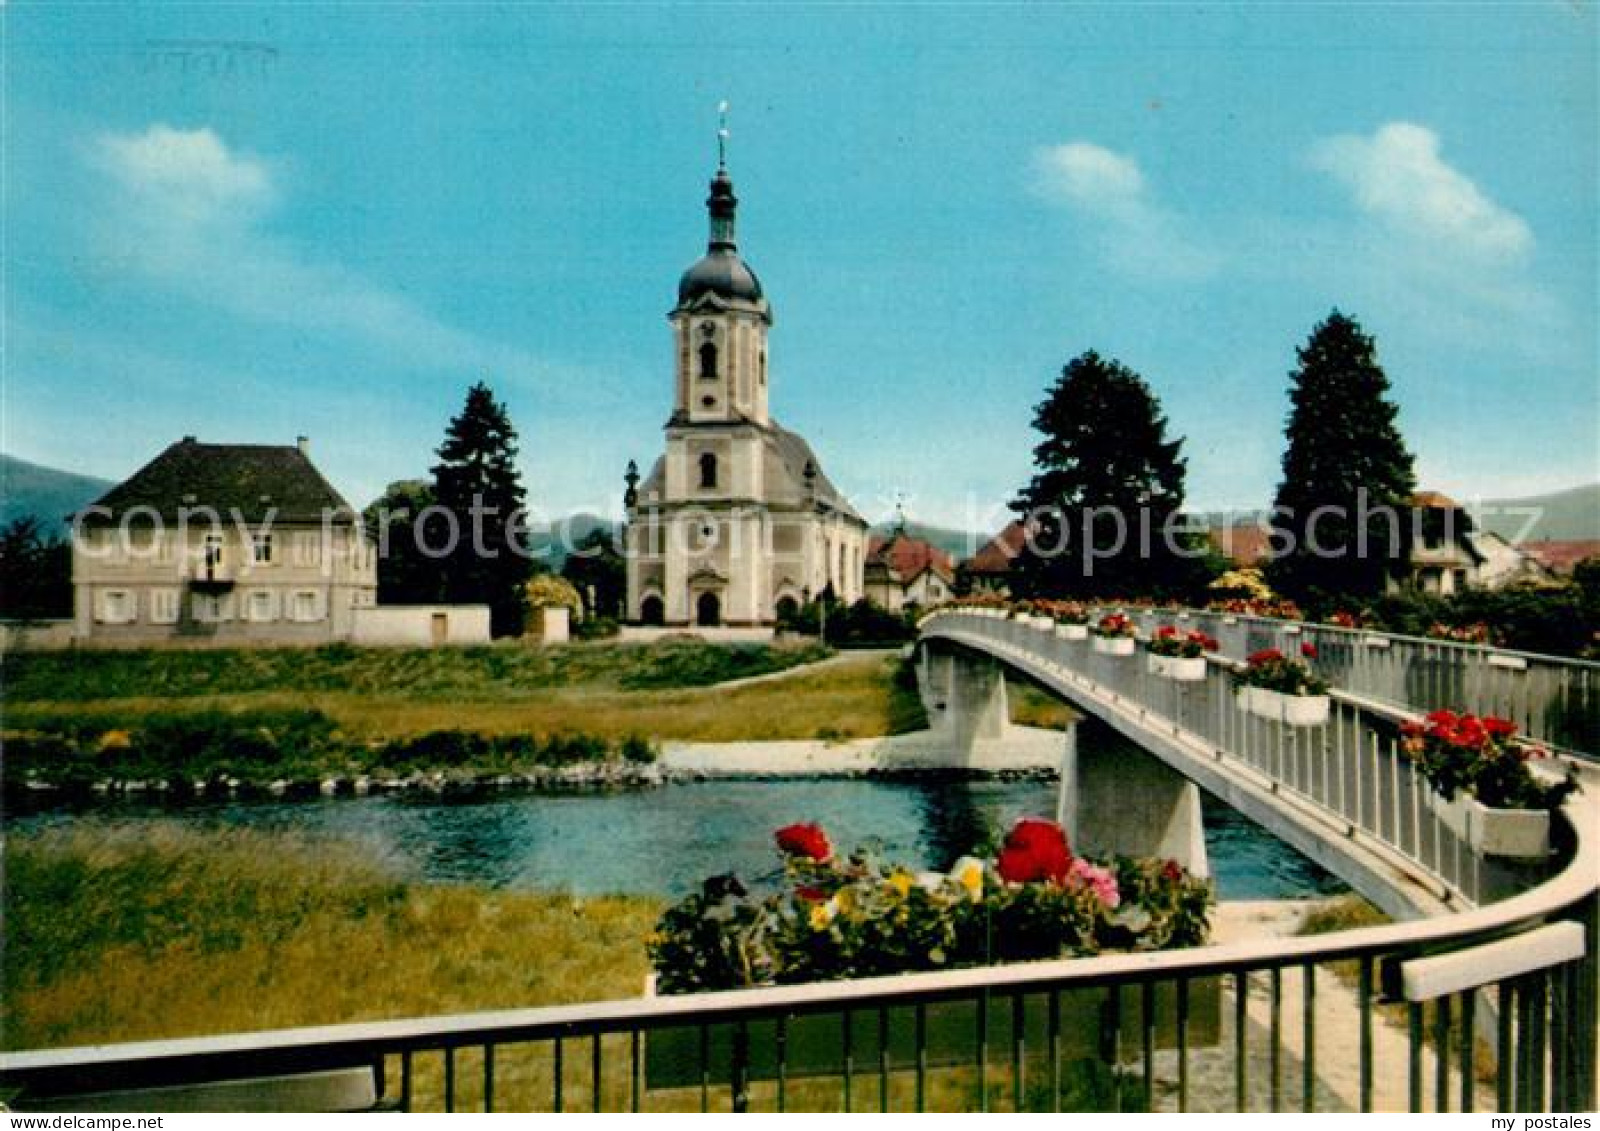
708,470
761,367
651,610
708,361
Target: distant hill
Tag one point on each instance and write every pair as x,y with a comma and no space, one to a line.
1570,515
45,493
1561,516
959,544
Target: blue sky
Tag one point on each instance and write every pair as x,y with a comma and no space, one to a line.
252,222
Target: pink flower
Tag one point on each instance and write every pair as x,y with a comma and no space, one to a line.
1082,874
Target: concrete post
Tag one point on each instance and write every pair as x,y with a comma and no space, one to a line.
1115,798
976,709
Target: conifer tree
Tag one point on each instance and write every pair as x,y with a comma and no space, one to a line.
477,472
1347,476
1107,492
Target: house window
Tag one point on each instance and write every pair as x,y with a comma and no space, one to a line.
164,606
305,606
307,549
708,470
259,607
708,361
261,549
213,553
117,606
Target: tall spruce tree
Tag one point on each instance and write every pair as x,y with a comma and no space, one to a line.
1107,492
1347,476
476,480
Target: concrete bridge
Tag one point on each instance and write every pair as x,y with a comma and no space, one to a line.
1340,792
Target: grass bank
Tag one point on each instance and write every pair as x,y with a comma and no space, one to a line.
856,696
500,671
118,932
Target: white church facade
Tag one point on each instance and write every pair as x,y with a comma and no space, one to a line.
736,523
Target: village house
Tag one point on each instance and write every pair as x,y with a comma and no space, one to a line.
904,572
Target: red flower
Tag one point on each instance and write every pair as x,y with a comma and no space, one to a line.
804,840
811,894
1171,872
1499,728
1308,650
1265,656
1034,850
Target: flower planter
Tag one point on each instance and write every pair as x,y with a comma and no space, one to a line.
1184,669
1072,631
1230,620
1509,663
1114,645
1520,833
1295,710
814,1042
1376,641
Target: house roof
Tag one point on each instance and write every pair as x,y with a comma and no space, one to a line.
1560,556
251,481
1435,501
998,553
906,557
1245,544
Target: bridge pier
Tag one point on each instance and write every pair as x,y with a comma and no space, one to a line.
1115,798
966,699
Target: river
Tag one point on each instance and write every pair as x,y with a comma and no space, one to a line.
663,841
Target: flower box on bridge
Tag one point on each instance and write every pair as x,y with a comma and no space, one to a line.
1072,632
1096,1024
1294,710
1516,833
1183,669
1114,645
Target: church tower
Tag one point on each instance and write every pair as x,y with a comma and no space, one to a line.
736,524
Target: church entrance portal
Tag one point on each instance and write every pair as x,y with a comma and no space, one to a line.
652,612
708,610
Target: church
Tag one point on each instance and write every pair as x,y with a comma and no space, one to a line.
737,523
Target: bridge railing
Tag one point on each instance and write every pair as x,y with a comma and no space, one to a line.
1380,1018
1552,699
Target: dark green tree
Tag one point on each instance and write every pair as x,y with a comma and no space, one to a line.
403,529
35,572
476,481
1104,505
596,570
1341,515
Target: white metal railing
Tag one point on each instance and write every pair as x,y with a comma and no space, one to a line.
1542,1004
1553,699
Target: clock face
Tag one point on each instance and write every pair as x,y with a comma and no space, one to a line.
708,328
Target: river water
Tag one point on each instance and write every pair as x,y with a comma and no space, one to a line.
663,841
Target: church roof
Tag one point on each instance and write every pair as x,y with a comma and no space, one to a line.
720,271
998,553
251,481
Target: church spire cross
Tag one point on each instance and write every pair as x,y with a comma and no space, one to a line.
722,135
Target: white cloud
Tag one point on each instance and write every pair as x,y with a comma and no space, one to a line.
1398,177
188,172
1136,234
194,214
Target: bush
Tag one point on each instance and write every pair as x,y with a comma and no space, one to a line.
638,750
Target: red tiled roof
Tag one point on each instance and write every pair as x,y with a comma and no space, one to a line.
1246,544
906,557
999,552
1434,500
1560,556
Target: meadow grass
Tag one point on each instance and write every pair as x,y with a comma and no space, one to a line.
857,696
508,670
131,931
